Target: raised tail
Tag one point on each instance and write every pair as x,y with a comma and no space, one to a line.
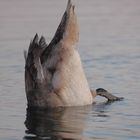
33,67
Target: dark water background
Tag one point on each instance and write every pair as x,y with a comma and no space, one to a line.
110,50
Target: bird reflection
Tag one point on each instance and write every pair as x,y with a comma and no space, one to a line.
56,124
62,123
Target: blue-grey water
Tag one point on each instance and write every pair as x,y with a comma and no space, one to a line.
110,51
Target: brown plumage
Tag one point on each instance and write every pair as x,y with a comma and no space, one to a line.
54,74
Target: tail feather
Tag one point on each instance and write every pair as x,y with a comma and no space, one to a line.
33,67
67,32
42,42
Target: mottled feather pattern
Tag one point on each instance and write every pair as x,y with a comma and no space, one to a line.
54,74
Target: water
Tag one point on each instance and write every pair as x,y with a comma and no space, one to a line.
110,50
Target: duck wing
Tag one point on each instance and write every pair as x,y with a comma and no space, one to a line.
33,67
66,33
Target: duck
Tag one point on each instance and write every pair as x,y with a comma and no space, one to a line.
54,75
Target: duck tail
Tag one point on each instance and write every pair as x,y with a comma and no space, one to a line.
33,66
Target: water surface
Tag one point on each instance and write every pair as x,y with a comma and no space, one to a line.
110,50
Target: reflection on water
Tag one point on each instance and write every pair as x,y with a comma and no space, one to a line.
61,123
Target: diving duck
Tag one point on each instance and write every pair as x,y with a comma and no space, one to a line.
54,75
